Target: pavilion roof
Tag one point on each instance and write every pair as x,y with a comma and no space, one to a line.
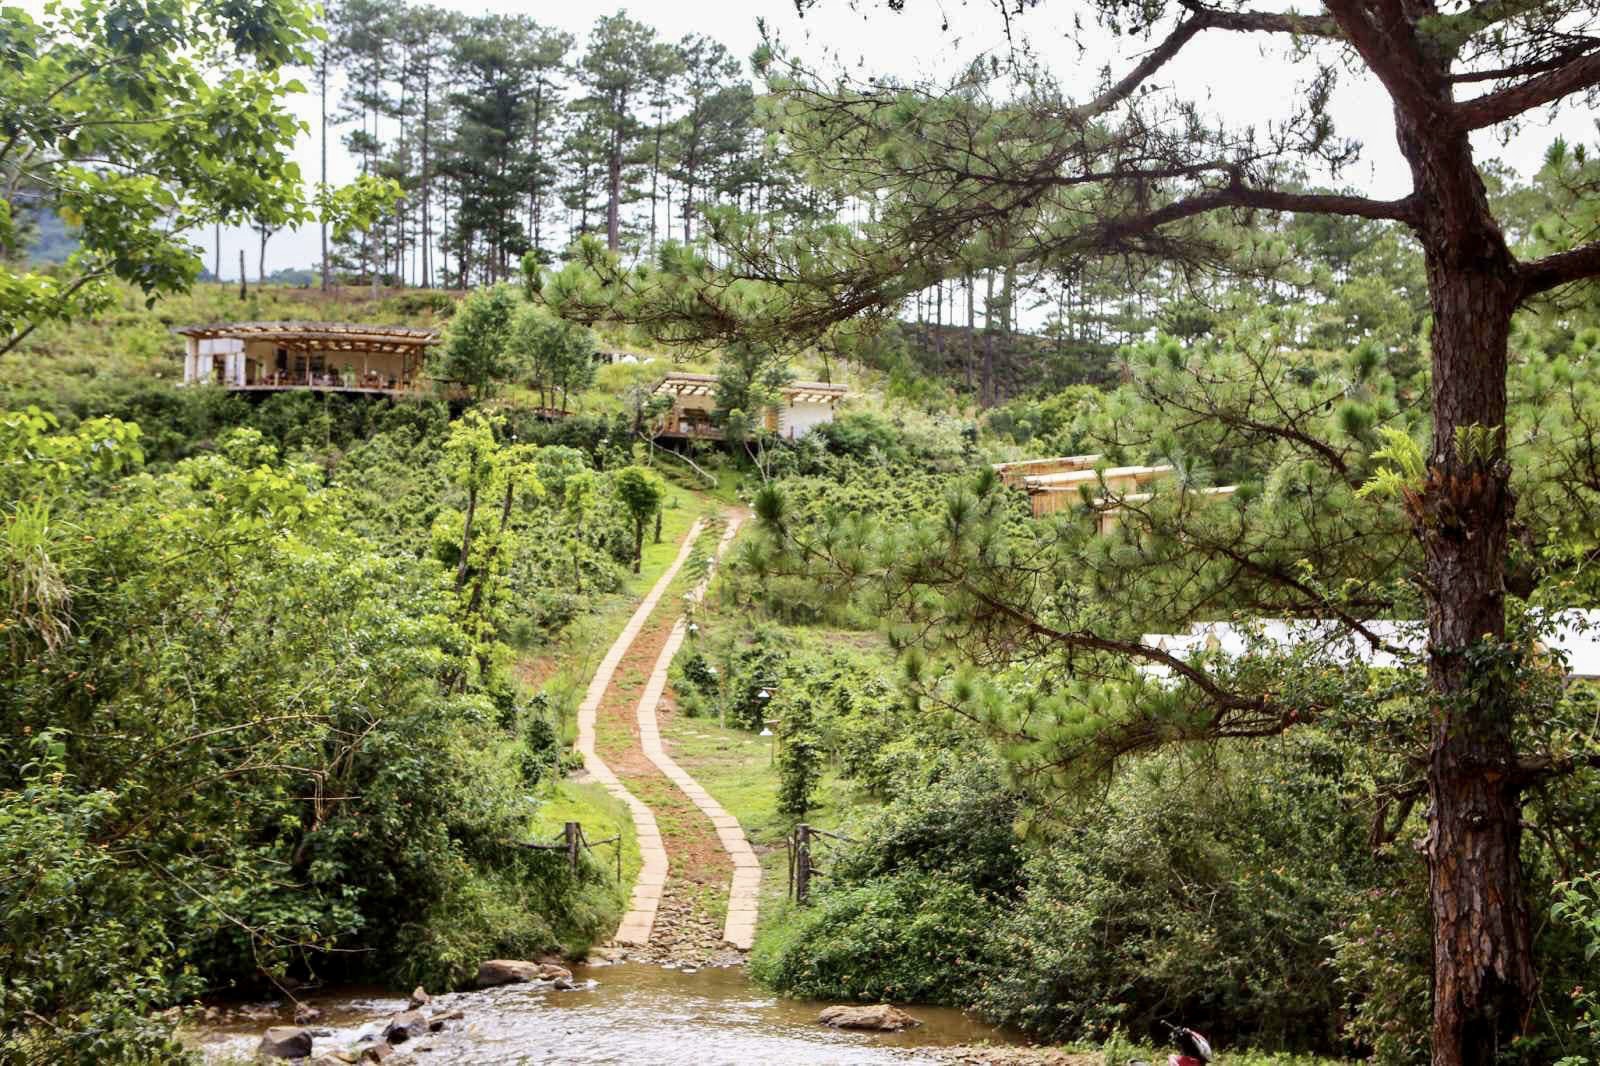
684,383
327,336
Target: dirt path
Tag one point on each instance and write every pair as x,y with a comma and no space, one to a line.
694,900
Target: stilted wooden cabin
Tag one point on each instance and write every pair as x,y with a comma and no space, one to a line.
280,356
1049,493
1109,510
802,407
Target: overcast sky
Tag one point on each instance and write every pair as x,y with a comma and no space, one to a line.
1237,76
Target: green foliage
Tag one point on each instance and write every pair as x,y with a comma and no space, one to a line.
191,129
246,740
557,356
752,671
1577,906
954,818
799,753
913,939
641,492
477,351
1198,891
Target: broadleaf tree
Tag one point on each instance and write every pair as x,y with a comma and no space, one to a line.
139,124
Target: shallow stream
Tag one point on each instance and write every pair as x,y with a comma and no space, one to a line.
624,1013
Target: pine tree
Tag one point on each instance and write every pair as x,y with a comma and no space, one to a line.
616,74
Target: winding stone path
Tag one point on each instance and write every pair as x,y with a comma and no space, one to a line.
640,918
639,922
740,927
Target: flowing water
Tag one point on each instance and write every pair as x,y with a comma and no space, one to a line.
626,1013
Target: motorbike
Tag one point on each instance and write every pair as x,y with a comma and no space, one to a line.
1193,1049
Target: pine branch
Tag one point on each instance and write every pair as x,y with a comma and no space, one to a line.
1491,108
1544,274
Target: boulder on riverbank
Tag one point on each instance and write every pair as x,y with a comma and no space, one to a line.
407,1025
285,1042
420,998
881,1017
512,971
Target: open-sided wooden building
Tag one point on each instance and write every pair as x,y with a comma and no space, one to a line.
276,356
802,406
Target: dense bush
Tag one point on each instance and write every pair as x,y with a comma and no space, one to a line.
241,739
914,938
1206,891
955,819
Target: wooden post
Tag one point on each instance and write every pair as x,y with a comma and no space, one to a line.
572,833
802,862
791,850
243,286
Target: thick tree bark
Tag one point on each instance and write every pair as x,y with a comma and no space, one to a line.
614,200
1484,980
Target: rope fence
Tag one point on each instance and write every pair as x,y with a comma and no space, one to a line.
804,845
573,842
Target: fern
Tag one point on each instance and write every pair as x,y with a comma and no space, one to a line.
1405,469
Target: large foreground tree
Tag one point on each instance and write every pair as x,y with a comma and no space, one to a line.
140,124
964,177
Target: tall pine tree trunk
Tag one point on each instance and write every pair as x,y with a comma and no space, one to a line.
1484,982
614,197
972,326
688,201
655,174
1482,942
427,173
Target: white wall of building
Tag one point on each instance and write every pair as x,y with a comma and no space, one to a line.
798,419
198,362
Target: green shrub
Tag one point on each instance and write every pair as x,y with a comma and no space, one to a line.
799,754
752,667
957,822
910,938
1203,892
694,682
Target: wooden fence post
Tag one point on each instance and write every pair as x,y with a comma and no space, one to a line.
802,862
572,835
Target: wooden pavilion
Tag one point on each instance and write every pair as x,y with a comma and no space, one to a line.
802,406
278,356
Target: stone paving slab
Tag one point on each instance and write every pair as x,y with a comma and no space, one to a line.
638,923
743,892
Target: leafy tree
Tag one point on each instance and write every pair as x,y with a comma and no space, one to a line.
558,355
477,351
136,125
641,492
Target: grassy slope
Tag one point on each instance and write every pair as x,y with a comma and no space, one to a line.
563,670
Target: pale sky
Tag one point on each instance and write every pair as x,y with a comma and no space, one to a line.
1239,77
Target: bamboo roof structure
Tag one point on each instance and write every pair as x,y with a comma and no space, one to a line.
1068,481
683,383
320,336
1013,473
